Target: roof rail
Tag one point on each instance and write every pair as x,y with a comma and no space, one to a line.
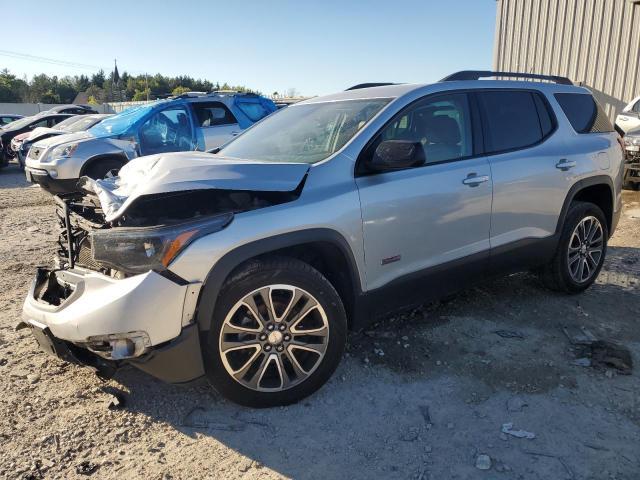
368,85
478,74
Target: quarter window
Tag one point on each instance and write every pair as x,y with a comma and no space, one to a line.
441,124
584,114
511,120
213,114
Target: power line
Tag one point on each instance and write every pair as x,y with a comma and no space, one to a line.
51,61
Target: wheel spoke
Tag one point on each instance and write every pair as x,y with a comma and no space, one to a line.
263,358
295,296
239,372
273,358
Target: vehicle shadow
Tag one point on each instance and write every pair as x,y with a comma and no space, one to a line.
12,176
373,421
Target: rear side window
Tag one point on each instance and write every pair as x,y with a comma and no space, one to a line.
584,114
255,111
212,114
512,121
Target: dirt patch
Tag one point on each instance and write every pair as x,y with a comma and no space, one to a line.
424,395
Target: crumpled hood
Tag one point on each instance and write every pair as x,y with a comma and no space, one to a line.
173,172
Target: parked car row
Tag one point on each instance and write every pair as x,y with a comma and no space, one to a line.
193,121
48,118
76,123
248,264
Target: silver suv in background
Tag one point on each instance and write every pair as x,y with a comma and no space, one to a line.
249,266
188,122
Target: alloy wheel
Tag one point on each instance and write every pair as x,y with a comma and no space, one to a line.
586,246
274,338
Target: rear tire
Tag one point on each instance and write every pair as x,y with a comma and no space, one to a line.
279,354
581,250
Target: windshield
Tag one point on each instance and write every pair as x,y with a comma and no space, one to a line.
23,122
120,123
83,123
306,133
65,124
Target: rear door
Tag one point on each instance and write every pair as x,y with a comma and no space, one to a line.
216,124
535,158
433,218
528,188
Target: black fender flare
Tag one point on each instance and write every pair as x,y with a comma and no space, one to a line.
221,270
90,161
581,185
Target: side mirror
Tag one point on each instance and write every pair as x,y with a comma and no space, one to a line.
397,155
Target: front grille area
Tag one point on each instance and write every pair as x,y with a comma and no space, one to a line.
35,152
84,257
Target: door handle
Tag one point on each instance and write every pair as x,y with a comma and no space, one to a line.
473,180
233,134
565,164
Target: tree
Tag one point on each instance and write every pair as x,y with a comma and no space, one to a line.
141,95
92,100
10,87
98,79
179,90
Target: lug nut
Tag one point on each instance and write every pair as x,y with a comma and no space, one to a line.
267,348
270,326
287,337
279,348
263,337
282,327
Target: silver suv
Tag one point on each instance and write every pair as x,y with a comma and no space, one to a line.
248,266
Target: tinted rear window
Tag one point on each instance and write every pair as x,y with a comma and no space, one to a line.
584,114
512,120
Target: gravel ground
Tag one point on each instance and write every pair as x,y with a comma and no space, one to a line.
422,395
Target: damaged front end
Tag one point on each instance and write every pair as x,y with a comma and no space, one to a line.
111,297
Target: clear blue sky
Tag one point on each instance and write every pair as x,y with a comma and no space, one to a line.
317,47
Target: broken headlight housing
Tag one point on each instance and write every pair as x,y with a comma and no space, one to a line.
138,250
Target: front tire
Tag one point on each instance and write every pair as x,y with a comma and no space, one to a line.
581,250
277,334
99,168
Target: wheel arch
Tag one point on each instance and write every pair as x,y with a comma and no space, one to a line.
598,190
120,157
325,249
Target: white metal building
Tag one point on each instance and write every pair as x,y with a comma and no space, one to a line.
595,43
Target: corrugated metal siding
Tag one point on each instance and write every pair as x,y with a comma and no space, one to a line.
593,42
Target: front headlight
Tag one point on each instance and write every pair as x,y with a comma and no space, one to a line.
138,250
64,151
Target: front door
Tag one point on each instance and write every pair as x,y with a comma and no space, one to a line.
168,130
433,218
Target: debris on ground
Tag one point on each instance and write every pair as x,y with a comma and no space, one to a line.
582,362
516,404
483,462
600,354
115,401
508,429
509,334
86,468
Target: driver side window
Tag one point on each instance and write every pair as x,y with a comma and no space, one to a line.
442,125
166,131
